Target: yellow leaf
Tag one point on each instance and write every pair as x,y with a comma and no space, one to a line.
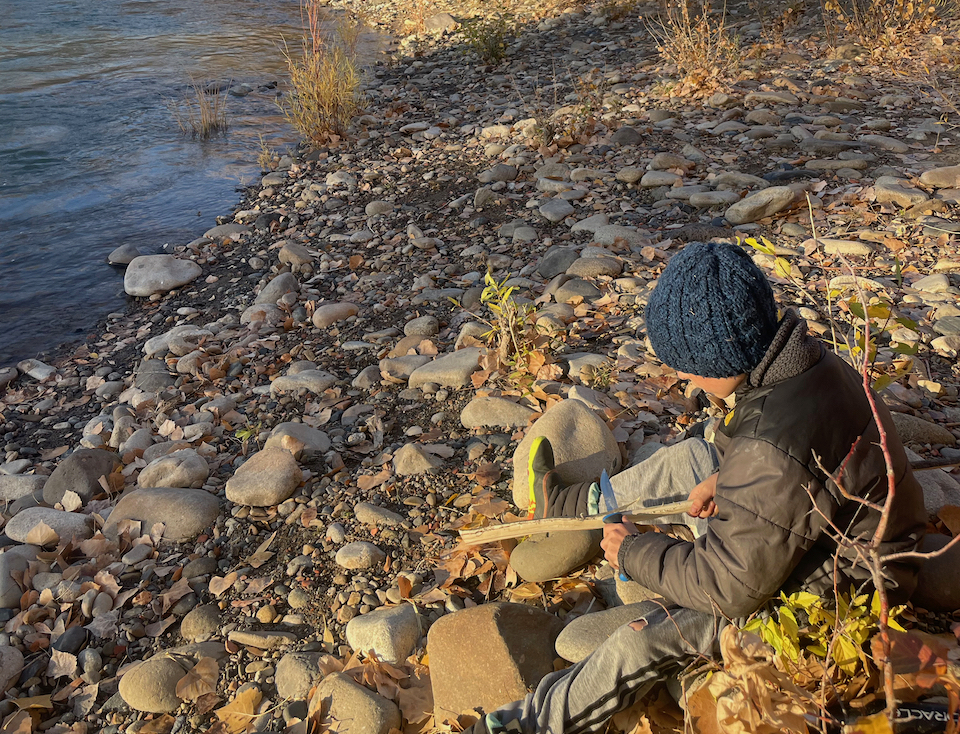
781,268
42,534
238,715
876,724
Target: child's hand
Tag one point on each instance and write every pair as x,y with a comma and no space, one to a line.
701,498
613,535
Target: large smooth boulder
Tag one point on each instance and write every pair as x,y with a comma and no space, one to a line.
297,673
66,525
390,633
277,288
583,447
184,468
763,203
265,479
151,686
80,472
185,513
15,486
543,557
149,274
355,709
912,429
486,412
488,656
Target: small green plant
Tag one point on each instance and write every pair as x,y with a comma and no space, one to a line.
522,353
806,624
324,77
202,115
488,37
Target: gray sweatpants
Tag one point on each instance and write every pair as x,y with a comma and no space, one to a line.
625,667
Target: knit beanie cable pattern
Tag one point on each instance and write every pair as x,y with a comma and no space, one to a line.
712,313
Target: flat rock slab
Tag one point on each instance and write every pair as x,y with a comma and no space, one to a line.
314,381
485,412
149,274
265,479
66,525
268,640
488,656
449,370
947,177
185,513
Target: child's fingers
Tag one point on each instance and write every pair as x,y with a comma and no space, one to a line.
696,507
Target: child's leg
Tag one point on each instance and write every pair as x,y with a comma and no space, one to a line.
582,699
667,476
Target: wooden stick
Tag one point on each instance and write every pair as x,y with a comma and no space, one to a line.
560,524
643,516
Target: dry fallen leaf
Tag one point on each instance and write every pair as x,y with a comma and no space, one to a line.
84,700
34,702
486,475
950,515
201,680
163,724
416,700
219,584
19,722
367,481
157,628
61,663
405,585
42,534
54,453
259,557
71,501
238,715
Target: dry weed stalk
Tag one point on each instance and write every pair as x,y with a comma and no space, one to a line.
324,77
698,44
203,115
882,22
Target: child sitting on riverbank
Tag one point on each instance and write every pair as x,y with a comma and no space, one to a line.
800,417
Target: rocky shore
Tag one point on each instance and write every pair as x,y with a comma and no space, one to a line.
232,493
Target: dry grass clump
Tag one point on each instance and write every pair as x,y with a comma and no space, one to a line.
701,46
324,77
203,115
880,22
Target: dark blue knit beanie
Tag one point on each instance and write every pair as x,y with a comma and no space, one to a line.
712,313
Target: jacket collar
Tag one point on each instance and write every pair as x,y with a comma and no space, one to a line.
792,352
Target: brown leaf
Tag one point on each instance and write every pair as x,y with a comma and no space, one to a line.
238,715
405,585
61,663
219,584
34,702
157,628
491,507
308,516
367,482
71,501
487,474
259,557
201,680
163,724
105,624
416,700
42,534
950,515
356,261
19,722
479,377
206,703
54,453
84,700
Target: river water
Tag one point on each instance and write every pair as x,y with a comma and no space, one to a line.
91,156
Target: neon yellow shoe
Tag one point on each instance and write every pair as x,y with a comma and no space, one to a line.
540,466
